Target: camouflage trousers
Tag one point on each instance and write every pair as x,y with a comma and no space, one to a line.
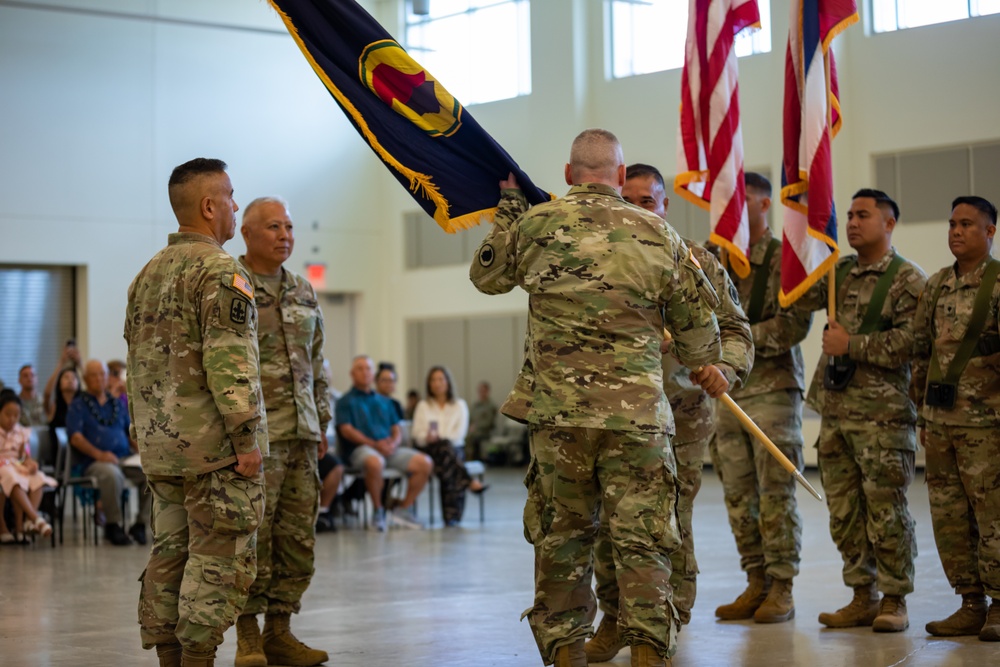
963,483
690,457
630,474
203,557
759,493
286,540
866,469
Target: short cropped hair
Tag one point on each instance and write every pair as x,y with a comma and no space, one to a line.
595,151
260,201
980,204
638,170
758,182
882,200
187,172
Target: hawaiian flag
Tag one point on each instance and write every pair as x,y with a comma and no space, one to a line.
811,119
429,142
710,141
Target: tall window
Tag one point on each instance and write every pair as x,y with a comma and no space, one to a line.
480,50
649,35
889,15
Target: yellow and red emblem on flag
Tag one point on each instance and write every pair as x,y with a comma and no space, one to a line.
411,91
431,144
241,284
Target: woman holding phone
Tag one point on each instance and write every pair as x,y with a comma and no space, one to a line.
440,424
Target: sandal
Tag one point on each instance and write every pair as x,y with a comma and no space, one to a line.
7,538
29,526
42,527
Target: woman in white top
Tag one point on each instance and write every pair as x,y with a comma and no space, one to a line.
440,424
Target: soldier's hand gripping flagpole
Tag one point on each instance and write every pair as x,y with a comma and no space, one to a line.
764,440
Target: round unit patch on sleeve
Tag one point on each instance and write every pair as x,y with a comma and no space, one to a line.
487,255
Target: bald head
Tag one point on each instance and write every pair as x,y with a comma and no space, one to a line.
95,377
596,157
268,233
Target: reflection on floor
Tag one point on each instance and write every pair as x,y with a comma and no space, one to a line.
451,598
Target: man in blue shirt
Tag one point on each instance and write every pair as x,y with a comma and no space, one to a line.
98,429
368,427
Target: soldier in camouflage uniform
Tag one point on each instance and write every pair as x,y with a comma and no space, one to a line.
290,337
958,392
759,493
603,278
198,416
694,415
868,436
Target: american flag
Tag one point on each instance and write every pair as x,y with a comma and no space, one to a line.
710,141
811,120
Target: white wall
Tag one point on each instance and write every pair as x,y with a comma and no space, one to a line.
97,108
101,100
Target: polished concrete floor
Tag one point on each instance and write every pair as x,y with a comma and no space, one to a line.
443,598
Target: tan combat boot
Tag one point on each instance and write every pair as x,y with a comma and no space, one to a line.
860,612
606,643
249,647
968,620
571,655
644,655
282,648
197,659
892,616
991,629
778,606
169,655
758,585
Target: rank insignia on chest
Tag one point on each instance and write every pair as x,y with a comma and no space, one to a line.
238,311
240,283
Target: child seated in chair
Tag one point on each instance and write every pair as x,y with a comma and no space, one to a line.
20,478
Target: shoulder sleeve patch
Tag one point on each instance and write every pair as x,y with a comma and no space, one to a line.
241,284
486,255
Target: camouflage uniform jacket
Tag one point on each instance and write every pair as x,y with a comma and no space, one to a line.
690,404
291,359
778,362
193,375
978,397
603,277
878,392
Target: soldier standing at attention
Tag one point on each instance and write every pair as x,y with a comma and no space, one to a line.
759,493
694,416
197,410
868,436
957,383
603,278
290,337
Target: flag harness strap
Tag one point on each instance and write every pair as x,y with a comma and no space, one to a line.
756,306
941,390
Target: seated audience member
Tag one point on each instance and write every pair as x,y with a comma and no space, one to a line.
98,430
68,360
412,398
368,427
331,473
385,384
116,381
481,421
32,409
440,423
20,478
67,389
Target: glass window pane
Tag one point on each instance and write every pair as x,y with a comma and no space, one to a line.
480,50
914,14
649,35
984,7
884,15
